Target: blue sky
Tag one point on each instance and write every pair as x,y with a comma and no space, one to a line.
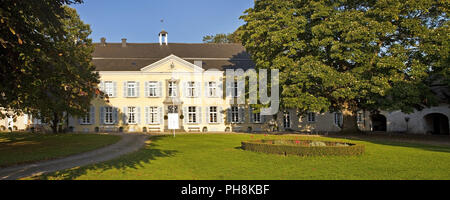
186,21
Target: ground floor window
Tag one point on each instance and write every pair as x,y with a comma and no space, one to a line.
153,115
311,117
109,115
87,118
256,117
234,114
286,120
131,115
359,117
213,114
192,115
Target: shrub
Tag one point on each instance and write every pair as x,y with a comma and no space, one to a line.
303,147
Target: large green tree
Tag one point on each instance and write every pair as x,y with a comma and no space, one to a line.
72,81
234,37
28,32
347,55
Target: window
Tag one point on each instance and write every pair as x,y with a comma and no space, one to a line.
234,114
359,117
338,119
192,116
131,89
212,87
256,117
131,115
172,89
213,114
87,118
311,117
109,115
234,89
172,109
109,88
191,89
286,120
153,115
152,87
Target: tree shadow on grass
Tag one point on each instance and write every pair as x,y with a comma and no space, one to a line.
408,141
133,160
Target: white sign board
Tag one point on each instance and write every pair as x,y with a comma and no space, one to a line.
173,121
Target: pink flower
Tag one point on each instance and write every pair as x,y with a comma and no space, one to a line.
297,141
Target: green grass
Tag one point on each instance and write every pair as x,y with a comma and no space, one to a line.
218,156
20,147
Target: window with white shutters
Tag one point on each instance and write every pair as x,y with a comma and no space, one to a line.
153,115
152,88
311,117
109,88
131,115
212,89
191,90
234,114
87,118
172,88
192,114
131,89
108,112
213,113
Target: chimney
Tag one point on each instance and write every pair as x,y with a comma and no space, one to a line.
198,63
103,41
124,42
162,34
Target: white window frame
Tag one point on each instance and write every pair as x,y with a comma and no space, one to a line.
191,89
286,119
87,118
131,115
152,88
131,89
108,118
172,89
234,89
256,117
109,88
234,114
212,89
192,115
213,114
359,117
311,117
153,115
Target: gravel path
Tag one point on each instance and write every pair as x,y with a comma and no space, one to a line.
129,143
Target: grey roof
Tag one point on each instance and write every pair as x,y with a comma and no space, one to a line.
114,57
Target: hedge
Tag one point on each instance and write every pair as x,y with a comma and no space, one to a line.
290,147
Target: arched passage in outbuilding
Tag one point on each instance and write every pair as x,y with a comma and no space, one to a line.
378,122
436,124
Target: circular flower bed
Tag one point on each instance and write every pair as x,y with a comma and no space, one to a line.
303,147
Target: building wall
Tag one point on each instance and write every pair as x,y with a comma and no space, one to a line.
17,123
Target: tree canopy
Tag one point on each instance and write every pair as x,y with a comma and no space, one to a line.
46,58
28,33
348,55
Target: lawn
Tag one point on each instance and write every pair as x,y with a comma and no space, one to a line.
218,156
22,147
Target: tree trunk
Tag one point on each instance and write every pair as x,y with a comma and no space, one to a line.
349,123
55,122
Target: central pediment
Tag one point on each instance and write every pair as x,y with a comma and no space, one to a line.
172,63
